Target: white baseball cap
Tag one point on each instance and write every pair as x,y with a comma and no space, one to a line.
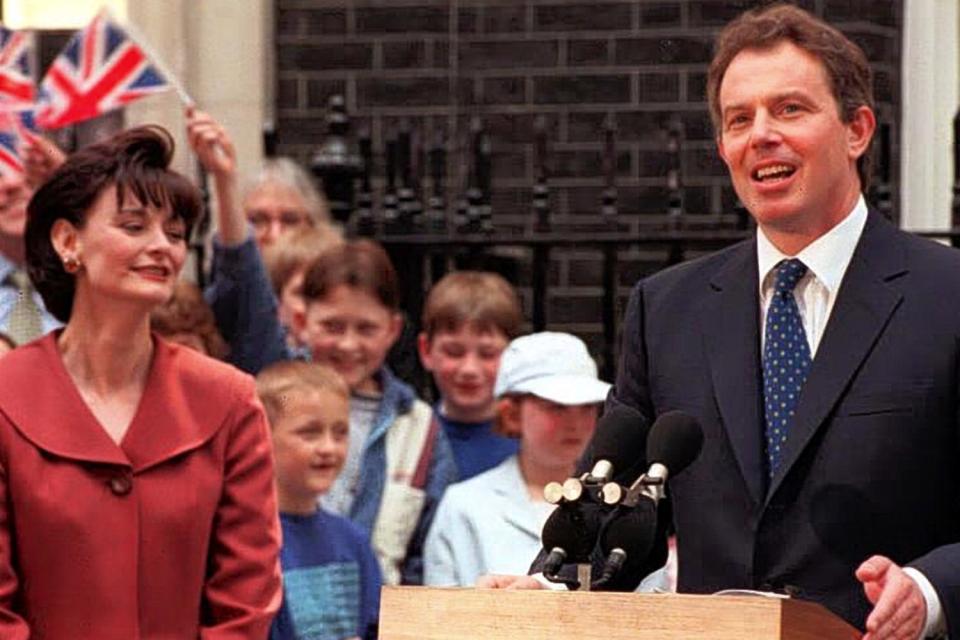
550,365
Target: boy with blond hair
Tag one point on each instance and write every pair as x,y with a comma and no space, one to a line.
468,319
330,574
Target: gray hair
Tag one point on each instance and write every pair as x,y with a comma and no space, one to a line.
286,172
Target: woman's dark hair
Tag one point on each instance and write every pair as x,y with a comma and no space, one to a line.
358,264
137,161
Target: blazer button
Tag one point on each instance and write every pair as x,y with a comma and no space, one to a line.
121,485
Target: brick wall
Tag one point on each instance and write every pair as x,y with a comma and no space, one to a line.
438,63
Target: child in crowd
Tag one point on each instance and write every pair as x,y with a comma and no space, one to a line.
399,462
330,575
187,319
549,396
286,261
468,319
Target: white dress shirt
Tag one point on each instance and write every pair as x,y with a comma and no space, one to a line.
827,259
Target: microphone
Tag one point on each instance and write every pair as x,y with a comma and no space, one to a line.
629,536
675,441
617,442
626,542
569,535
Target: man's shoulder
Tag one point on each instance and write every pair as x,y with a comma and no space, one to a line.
697,271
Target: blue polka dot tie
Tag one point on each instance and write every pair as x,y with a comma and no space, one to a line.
786,360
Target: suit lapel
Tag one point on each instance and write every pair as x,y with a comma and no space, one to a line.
730,318
863,307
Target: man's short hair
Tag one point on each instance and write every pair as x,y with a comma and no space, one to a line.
482,299
282,381
848,71
362,265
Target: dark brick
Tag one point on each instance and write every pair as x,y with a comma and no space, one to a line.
404,55
467,20
402,19
505,19
703,162
326,22
575,89
581,17
509,200
682,50
581,308
441,54
885,86
320,91
717,12
660,15
658,87
882,13
696,87
586,271
697,125
588,52
508,163
507,55
504,90
696,200
402,91
321,57
653,164
878,48
289,23
585,164
643,126
288,94
311,131
514,127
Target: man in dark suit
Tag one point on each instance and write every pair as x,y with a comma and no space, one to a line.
822,357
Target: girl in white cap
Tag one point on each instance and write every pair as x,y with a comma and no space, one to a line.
548,396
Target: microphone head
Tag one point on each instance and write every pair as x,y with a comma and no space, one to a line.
620,437
634,531
573,527
675,441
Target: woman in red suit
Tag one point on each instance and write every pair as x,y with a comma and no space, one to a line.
136,488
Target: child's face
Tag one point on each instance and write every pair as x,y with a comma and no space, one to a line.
351,331
554,434
464,365
309,447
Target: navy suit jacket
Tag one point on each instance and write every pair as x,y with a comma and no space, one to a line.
872,461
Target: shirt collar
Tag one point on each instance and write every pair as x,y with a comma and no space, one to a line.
827,257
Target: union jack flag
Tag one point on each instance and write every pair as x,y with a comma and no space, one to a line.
101,68
15,128
16,69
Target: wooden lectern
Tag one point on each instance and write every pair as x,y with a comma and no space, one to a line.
424,613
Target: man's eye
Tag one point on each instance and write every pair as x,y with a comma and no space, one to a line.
132,227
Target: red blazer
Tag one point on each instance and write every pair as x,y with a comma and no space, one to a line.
171,534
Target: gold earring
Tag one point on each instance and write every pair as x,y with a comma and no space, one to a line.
71,264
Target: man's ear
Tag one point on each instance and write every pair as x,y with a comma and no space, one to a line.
860,131
65,239
423,349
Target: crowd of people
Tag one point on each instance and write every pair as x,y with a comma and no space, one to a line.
242,462
145,394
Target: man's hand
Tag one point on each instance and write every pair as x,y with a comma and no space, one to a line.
899,609
493,581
